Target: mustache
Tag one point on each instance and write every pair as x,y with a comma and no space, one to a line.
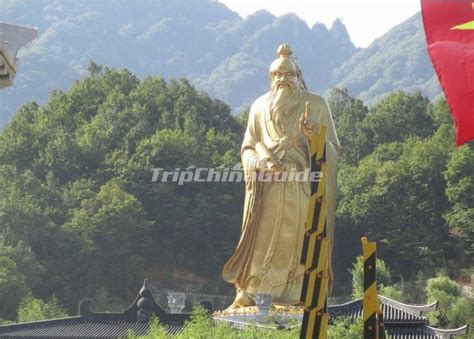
281,85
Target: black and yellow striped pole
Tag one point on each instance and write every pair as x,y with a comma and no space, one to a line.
373,316
315,247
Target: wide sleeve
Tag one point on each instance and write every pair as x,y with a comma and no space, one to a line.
251,138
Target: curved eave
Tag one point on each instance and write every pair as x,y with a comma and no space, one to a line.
463,330
418,310
389,305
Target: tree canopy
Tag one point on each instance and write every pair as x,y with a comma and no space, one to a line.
80,215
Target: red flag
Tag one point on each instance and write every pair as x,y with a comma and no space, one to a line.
449,29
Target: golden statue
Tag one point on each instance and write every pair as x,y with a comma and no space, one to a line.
267,257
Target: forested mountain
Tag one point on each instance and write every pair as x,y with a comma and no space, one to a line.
78,209
398,60
80,215
199,39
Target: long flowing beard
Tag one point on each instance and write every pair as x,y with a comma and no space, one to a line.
283,100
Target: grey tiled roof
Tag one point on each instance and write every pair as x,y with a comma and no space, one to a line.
80,328
89,324
74,328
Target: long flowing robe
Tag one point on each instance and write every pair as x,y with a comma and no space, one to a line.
267,257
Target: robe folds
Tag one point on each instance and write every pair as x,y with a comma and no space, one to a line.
267,257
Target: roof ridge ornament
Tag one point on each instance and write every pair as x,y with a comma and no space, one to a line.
144,305
145,291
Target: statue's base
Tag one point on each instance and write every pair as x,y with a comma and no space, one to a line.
273,317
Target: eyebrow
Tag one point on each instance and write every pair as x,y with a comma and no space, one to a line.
286,73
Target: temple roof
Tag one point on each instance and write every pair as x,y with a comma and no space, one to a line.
393,311
402,321
89,324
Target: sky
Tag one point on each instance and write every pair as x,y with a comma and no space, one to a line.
365,20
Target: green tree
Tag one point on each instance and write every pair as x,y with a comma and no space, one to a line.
32,309
13,287
459,190
399,116
441,113
396,197
75,177
349,116
453,310
385,284
20,273
344,328
201,326
114,231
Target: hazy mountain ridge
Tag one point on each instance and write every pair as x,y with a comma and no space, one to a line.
199,39
398,60
203,40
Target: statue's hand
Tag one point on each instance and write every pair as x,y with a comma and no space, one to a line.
307,125
274,167
262,164
269,166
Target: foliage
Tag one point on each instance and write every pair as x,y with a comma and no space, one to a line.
76,195
199,324
32,309
19,273
459,190
112,218
349,116
12,286
384,280
343,328
396,195
394,118
397,117
391,185
202,326
453,310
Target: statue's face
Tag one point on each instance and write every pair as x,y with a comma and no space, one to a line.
283,74
285,93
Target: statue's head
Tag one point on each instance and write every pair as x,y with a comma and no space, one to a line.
284,71
287,84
